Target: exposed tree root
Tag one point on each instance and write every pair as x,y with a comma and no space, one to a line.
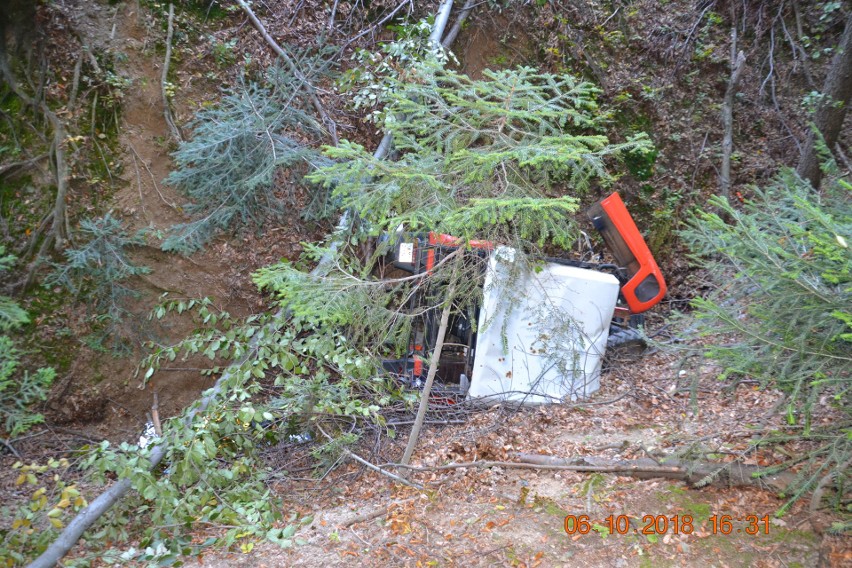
167,111
60,229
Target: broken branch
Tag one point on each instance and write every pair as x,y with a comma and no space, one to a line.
312,94
696,474
155,416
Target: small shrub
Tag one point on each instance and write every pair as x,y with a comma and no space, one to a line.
97,272
20,390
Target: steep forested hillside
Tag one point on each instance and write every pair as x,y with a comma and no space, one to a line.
202,323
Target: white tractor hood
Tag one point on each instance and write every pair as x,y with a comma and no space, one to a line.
541,333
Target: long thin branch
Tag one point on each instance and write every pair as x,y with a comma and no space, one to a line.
693,473
150,173
75,83
384,472
433,364
24,163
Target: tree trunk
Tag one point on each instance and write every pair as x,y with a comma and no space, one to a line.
828,120
737,66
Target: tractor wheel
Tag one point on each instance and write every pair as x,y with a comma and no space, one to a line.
629,337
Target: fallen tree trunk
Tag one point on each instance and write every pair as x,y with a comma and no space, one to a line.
101,504
457,26
697,474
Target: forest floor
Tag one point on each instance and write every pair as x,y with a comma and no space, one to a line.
502,516
660,403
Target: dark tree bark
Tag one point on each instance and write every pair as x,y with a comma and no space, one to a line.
828,120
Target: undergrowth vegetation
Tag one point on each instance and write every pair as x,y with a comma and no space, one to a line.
508,157
19,388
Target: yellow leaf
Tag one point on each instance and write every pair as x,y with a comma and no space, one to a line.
247,547
64,504
54,513
41,491
79,502
21,479
56,523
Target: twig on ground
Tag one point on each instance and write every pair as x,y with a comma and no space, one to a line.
820,489
364,517
139,187
369,465
10,447
153,178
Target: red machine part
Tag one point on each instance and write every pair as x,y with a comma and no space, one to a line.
442,239
646,286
